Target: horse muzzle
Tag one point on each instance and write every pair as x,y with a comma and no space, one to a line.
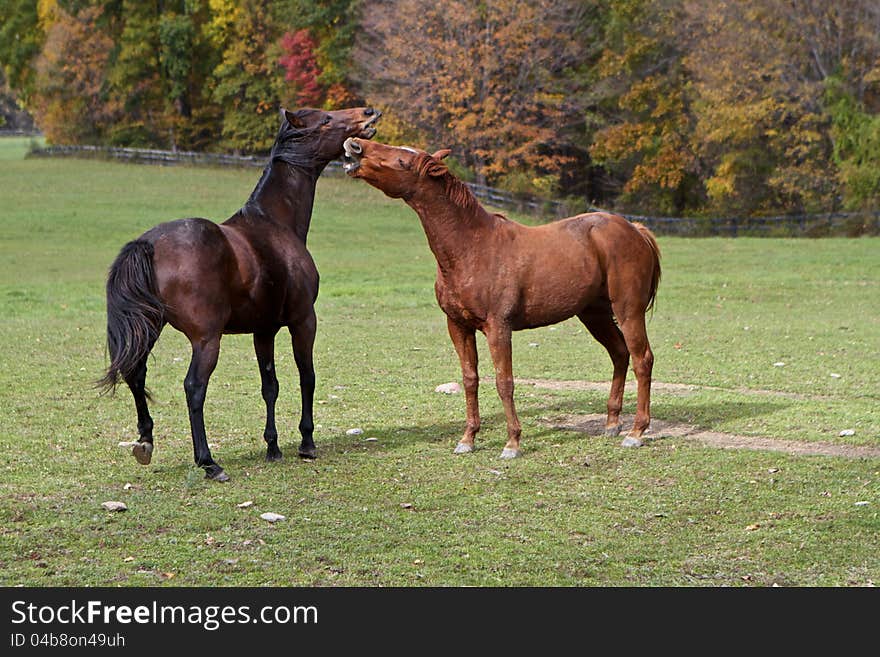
368,129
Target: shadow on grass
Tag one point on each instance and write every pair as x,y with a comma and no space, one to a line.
533,413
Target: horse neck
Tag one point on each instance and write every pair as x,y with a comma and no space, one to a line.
285,195
452,228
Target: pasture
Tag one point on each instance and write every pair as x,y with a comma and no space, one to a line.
747,334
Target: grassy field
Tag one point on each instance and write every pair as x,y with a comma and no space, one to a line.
576,510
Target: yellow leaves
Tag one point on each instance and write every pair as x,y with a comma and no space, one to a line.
719,187
224,15
723,184
47,13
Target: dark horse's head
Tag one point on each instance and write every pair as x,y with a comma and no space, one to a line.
396,170
310,137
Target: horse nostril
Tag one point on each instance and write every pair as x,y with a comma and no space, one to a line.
369,111
351,146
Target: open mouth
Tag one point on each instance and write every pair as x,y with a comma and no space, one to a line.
368,129
351,158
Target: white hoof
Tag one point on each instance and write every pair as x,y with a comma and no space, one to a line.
463,448
629,441
143,452
508,453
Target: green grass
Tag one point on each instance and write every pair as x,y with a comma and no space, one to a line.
672,513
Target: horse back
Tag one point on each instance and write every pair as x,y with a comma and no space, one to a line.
204,278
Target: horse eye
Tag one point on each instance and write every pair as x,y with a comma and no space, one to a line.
401,162
326,120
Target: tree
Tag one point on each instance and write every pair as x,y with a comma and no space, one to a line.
331,26
481,77
301,67
160,74
643,111
248,80
69,96
762,71
21,38
856,135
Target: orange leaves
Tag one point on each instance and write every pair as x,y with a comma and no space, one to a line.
477,75
70,78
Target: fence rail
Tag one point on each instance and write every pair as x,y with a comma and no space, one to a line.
817,225
808,225
151,156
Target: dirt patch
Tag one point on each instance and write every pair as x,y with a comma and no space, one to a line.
659,386
594,425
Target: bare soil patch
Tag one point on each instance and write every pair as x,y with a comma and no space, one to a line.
673,388
594,425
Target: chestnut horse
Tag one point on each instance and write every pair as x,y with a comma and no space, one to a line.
250,274
497,276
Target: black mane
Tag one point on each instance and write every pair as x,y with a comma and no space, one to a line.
296,146
293,146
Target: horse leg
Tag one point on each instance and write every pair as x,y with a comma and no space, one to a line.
498,337
204,360
303,338
600,324
633,329
143,450
264,347
464,340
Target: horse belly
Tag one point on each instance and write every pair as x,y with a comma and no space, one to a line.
559,294
251,318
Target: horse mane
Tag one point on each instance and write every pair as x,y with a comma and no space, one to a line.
294,146
456,190
460,194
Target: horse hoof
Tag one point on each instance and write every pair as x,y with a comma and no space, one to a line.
612,431
308,453
629,441
143,452
463,448
271,457
508,453
216,474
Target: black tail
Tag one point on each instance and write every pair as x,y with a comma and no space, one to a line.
134,312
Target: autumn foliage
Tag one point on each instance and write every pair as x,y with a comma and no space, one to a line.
301,67
735,107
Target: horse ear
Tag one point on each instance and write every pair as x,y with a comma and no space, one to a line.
294,118
436,168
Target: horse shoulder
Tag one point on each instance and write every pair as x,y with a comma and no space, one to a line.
247,260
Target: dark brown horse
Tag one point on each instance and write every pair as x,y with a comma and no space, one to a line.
497,276
250,274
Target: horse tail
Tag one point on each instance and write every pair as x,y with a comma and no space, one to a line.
135,314
648,236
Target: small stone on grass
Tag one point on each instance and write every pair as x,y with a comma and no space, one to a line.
272,517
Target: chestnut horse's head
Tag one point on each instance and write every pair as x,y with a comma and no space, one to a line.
309,136
396,170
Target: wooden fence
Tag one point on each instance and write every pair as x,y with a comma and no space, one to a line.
812,225
800,225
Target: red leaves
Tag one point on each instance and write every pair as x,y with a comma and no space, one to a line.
301,66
